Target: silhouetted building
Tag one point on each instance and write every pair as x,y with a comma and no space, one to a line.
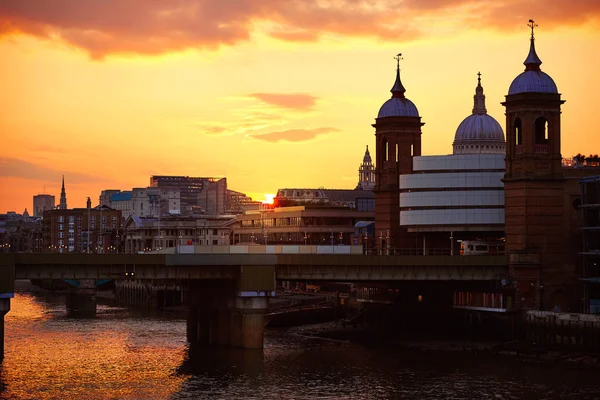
94,230
41,203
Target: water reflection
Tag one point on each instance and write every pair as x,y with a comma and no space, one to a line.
124,354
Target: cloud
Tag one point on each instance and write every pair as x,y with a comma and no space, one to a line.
13,167
293,135
102,27
45,148
298,101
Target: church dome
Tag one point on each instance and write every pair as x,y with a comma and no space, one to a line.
532,80
479,132
398,105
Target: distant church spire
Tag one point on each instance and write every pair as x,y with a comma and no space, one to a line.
398,90
479,98
366,173
63,196
532,62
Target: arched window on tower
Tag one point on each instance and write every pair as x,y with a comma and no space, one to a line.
541,131
385,150
518,134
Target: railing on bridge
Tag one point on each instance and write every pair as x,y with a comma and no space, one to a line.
422,252
498,302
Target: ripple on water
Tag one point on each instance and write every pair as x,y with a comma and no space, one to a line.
125,354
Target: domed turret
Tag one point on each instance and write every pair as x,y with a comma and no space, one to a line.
398,105
533,80
479,132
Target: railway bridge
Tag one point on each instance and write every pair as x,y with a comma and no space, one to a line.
227,294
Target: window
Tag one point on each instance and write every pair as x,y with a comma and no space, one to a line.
385,150
518,132
215,242
71,219
60,235
541,131
60,227
215,232
61,219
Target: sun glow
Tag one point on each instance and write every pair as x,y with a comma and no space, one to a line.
268,199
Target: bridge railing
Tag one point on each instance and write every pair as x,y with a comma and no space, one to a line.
420,252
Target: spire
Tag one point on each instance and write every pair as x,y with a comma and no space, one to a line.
367,157
398,90
532,62
63,196
479,98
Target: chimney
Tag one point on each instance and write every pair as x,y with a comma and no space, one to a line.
89,203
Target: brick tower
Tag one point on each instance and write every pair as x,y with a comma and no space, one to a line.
397,140
533,185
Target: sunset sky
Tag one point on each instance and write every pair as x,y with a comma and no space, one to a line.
267,93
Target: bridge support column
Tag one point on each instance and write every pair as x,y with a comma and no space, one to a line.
81,300
248,320
4,309
208,312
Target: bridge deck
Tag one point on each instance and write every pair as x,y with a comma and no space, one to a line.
338,267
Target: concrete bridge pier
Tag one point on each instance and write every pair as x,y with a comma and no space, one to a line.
248,320
230,312
81,300
208,312
4,309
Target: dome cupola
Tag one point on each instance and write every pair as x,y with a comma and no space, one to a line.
532,80
398,105
479,132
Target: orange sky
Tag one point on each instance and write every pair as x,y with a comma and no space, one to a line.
268,93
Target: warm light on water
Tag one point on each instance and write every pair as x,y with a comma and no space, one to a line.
125,354
51,356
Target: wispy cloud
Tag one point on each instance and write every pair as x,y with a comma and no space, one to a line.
14,167
297,101
293,135
45,148
102,27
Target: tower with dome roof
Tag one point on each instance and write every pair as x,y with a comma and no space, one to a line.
398,140
534,185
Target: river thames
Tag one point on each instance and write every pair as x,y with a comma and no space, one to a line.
128,354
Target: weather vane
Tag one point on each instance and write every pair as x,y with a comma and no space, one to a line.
479,77
398,57
532,25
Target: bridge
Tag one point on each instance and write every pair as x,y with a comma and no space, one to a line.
227,294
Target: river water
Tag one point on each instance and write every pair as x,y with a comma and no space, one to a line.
127,354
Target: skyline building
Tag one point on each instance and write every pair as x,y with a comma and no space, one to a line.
41,203
520,190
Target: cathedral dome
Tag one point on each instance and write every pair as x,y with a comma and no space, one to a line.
479,132
532,80
479,127
398,105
